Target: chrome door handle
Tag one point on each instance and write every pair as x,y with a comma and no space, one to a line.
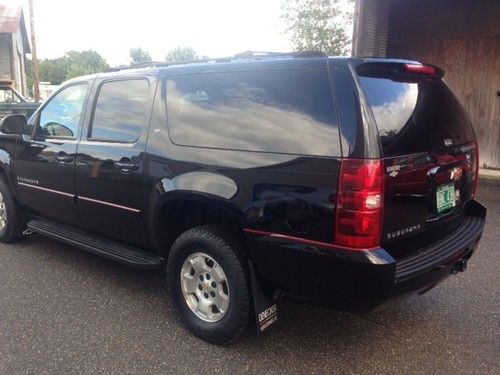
126,166
64,159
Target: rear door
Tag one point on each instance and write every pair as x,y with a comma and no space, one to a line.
429,151
109,164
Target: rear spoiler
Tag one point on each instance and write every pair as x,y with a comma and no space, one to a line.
399,71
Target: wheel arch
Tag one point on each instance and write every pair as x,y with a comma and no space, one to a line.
180,210
6,171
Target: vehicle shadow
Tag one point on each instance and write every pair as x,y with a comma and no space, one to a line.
301,329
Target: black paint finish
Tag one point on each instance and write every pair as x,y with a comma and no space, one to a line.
282,202
109,175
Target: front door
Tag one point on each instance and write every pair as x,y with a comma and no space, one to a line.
110,160
45,158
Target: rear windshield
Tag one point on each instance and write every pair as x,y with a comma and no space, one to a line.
416,116
282,111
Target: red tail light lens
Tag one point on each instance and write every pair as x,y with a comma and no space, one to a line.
476,168
420,69
360,203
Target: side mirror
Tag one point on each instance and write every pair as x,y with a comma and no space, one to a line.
13,124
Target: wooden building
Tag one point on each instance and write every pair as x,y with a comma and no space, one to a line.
14,46
461,36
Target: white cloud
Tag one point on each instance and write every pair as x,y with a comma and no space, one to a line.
392,115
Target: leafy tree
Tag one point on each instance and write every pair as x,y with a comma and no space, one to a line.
85,62
138,55
53,70
72,64
317,25
180,54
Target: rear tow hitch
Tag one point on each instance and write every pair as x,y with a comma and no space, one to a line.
459,266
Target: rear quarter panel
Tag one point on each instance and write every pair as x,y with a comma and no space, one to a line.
288,194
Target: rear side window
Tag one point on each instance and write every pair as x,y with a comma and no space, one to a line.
416,116
286,111
120,111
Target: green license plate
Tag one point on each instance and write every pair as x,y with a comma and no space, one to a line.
445,197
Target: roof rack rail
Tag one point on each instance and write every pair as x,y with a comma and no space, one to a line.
256,54
145,64
311,53
157,64
241,55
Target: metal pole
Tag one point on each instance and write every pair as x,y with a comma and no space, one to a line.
34,60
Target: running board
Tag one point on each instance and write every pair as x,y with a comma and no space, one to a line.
95,244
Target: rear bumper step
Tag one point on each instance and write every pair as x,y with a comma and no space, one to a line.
96,244
442,253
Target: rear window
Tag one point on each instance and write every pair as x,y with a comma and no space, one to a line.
285,111
416,116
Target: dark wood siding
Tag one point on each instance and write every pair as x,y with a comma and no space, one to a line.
370,28
463,37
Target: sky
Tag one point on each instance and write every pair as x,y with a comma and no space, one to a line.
214,28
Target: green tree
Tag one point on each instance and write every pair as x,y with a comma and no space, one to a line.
72,64
53,70
180,54
317,25
85,62
138,55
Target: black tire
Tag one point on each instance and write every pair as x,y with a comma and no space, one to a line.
14,221
220,245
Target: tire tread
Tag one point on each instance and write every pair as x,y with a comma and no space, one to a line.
15,219
221,238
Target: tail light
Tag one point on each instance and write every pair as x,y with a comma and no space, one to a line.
476,168
360,203
420,69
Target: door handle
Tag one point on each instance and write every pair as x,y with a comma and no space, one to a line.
64,159
126,166
36,145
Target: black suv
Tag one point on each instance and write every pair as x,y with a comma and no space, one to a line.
344,181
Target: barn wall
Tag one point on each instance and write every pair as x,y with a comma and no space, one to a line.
370,28
5,41
463,37
18,55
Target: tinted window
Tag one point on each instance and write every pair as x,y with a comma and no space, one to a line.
61,116
273,111
120,111
416,116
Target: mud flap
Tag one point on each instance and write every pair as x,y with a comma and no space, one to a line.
265,308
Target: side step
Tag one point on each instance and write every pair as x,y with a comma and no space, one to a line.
96,244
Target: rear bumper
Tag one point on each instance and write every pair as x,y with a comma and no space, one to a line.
361,280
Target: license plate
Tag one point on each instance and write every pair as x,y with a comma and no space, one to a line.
445,197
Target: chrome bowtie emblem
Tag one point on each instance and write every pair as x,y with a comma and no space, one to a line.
456,174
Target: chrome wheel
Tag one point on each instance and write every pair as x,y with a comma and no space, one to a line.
3,213
204,287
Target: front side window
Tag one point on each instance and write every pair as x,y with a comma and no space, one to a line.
61,116
283,111
120,111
